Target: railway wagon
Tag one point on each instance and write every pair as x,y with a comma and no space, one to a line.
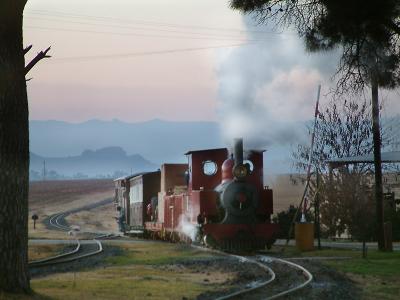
218,198
132,194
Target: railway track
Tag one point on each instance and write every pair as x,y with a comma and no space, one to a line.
58,222
263,261
268,289
82,250
264,290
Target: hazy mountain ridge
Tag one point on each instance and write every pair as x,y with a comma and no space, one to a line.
105,162
157,140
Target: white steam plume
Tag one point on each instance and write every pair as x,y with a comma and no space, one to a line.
267,88
187,228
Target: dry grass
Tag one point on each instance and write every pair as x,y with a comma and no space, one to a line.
36,252
141,271
98,219
50,197
53,196
131,282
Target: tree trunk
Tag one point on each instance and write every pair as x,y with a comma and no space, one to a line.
14,151
378,165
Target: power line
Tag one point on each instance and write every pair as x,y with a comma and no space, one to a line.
135,54
149,23
139,28
138,34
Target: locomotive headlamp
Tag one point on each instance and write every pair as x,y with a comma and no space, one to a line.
240,171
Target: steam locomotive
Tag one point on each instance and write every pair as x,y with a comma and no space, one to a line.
217,198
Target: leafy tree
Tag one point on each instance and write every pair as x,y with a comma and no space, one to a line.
343,129
14,148
367,32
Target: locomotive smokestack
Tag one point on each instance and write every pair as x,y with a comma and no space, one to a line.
238,151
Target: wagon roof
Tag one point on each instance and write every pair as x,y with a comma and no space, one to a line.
134,175
204,150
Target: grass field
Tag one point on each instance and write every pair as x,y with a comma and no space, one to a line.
378,275
143,270
153,270
36,252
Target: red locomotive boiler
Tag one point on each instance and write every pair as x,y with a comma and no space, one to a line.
217,198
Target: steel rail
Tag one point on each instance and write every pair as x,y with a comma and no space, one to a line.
48,259
242,259
54,221
255,287
264,259
305,272
60,260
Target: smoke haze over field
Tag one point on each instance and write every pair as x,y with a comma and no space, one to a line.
266,88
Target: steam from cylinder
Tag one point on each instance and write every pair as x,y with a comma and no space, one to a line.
238,151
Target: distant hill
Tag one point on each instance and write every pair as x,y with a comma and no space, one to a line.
157,140
106,162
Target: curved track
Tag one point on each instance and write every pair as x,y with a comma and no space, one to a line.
58,222
308,276
86,249
255,287
82,249
261,262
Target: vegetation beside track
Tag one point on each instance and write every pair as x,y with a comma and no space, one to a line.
36,252
142,270
155,253
50,197
378,275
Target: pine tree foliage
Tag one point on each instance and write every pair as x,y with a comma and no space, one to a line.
367,32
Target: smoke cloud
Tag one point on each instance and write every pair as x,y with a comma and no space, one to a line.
267,89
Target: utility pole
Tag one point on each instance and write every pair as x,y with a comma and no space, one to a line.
376,133
317,219
44,170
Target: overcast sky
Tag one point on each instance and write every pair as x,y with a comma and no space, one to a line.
174,60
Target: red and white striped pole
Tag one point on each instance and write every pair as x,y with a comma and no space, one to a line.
301,206
311,154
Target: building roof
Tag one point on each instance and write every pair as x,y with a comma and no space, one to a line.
387,157
205,150
134,175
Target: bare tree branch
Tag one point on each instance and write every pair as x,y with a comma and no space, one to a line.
26,50
41,55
